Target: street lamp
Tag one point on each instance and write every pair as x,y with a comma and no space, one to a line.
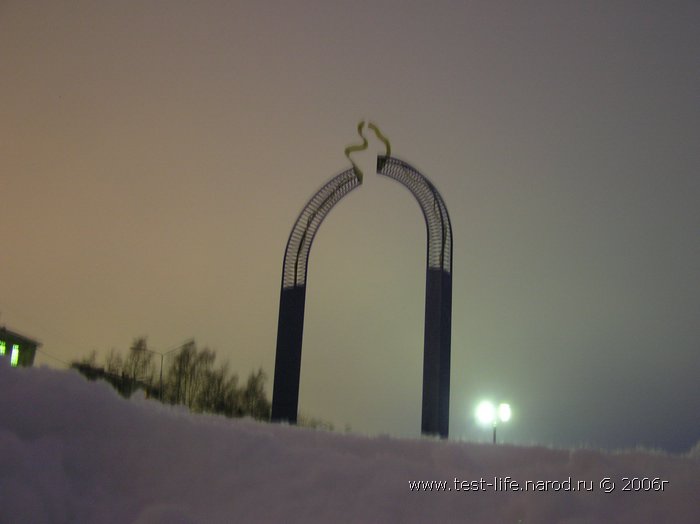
488,414
190,341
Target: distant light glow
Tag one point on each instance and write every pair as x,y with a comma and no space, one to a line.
14,356
2,347
504,412
487,413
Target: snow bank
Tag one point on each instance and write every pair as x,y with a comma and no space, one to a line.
74,451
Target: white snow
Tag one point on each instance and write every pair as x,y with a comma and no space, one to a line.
74,451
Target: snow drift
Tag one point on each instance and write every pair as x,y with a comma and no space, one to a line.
74,451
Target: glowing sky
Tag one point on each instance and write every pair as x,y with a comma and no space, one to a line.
154,155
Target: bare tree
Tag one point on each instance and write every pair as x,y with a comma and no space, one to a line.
192,380
254,400
179,373
138,365
114,364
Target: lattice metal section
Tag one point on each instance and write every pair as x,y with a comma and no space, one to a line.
433,206
296,255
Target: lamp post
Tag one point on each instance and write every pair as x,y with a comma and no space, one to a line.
162,355
488,414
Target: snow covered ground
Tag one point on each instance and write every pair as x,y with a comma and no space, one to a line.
74,451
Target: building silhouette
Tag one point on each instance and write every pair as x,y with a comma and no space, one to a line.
19,349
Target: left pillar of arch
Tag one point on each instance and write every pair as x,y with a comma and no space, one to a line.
290,333
290,327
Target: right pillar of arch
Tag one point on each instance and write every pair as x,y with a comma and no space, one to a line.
435,419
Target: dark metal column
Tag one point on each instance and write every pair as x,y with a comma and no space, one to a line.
436,353
435,419
290,333
290,327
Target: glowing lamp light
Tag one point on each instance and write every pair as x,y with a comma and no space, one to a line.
488,414
504,412
485,413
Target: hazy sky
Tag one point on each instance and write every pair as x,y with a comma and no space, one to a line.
154,155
